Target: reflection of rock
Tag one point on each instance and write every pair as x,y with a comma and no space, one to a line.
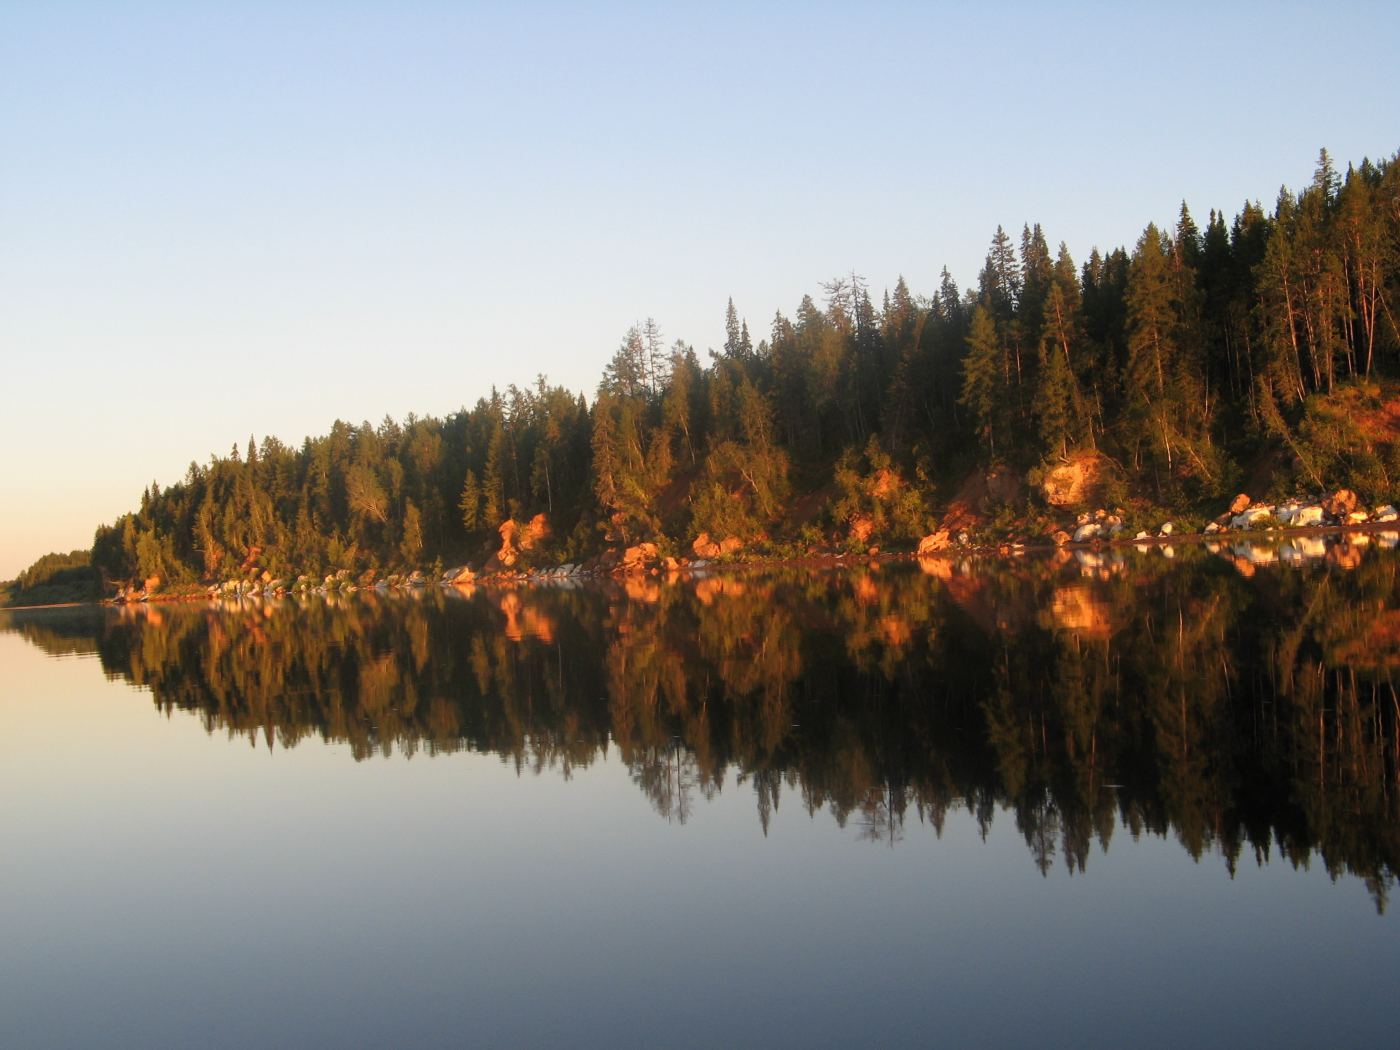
1254,554
713,586
525,621
940,567
1077,608
895,630
1345,555
642,589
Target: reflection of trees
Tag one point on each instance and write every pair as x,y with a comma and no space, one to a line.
1236,713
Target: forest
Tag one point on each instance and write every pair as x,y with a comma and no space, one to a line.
1260,351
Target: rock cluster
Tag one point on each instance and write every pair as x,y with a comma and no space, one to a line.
1341,507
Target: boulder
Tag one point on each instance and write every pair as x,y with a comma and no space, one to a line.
1386,513
1239,504
463,574
1307,517
1340,503
1212,528
636,557
1166,529
1356,517
935,542
730,544
1249,518
703,547
1059,538
1088,531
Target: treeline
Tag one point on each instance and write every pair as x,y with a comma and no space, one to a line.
54,579
1185,363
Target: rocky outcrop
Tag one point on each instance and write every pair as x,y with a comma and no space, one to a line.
1003,486
638,557
1340,503
1076,482
704,547
515,539
935,542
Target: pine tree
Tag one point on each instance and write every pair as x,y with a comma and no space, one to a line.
983,387
470,503
412,544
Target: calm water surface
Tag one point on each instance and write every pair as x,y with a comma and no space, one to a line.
1107,800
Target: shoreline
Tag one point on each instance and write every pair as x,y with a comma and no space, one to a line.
823,561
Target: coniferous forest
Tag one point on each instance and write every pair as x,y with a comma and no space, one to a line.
1259,351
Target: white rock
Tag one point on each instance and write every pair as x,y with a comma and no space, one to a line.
1386,513
1212,528
1306,517
1166,529
1087,532
1142,536
1247,519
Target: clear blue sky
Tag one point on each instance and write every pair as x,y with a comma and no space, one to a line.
218,220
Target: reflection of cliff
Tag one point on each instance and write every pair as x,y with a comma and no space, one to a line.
1237,713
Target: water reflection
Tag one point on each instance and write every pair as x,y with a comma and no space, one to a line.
1236,696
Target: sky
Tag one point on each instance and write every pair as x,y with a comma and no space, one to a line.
227,220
